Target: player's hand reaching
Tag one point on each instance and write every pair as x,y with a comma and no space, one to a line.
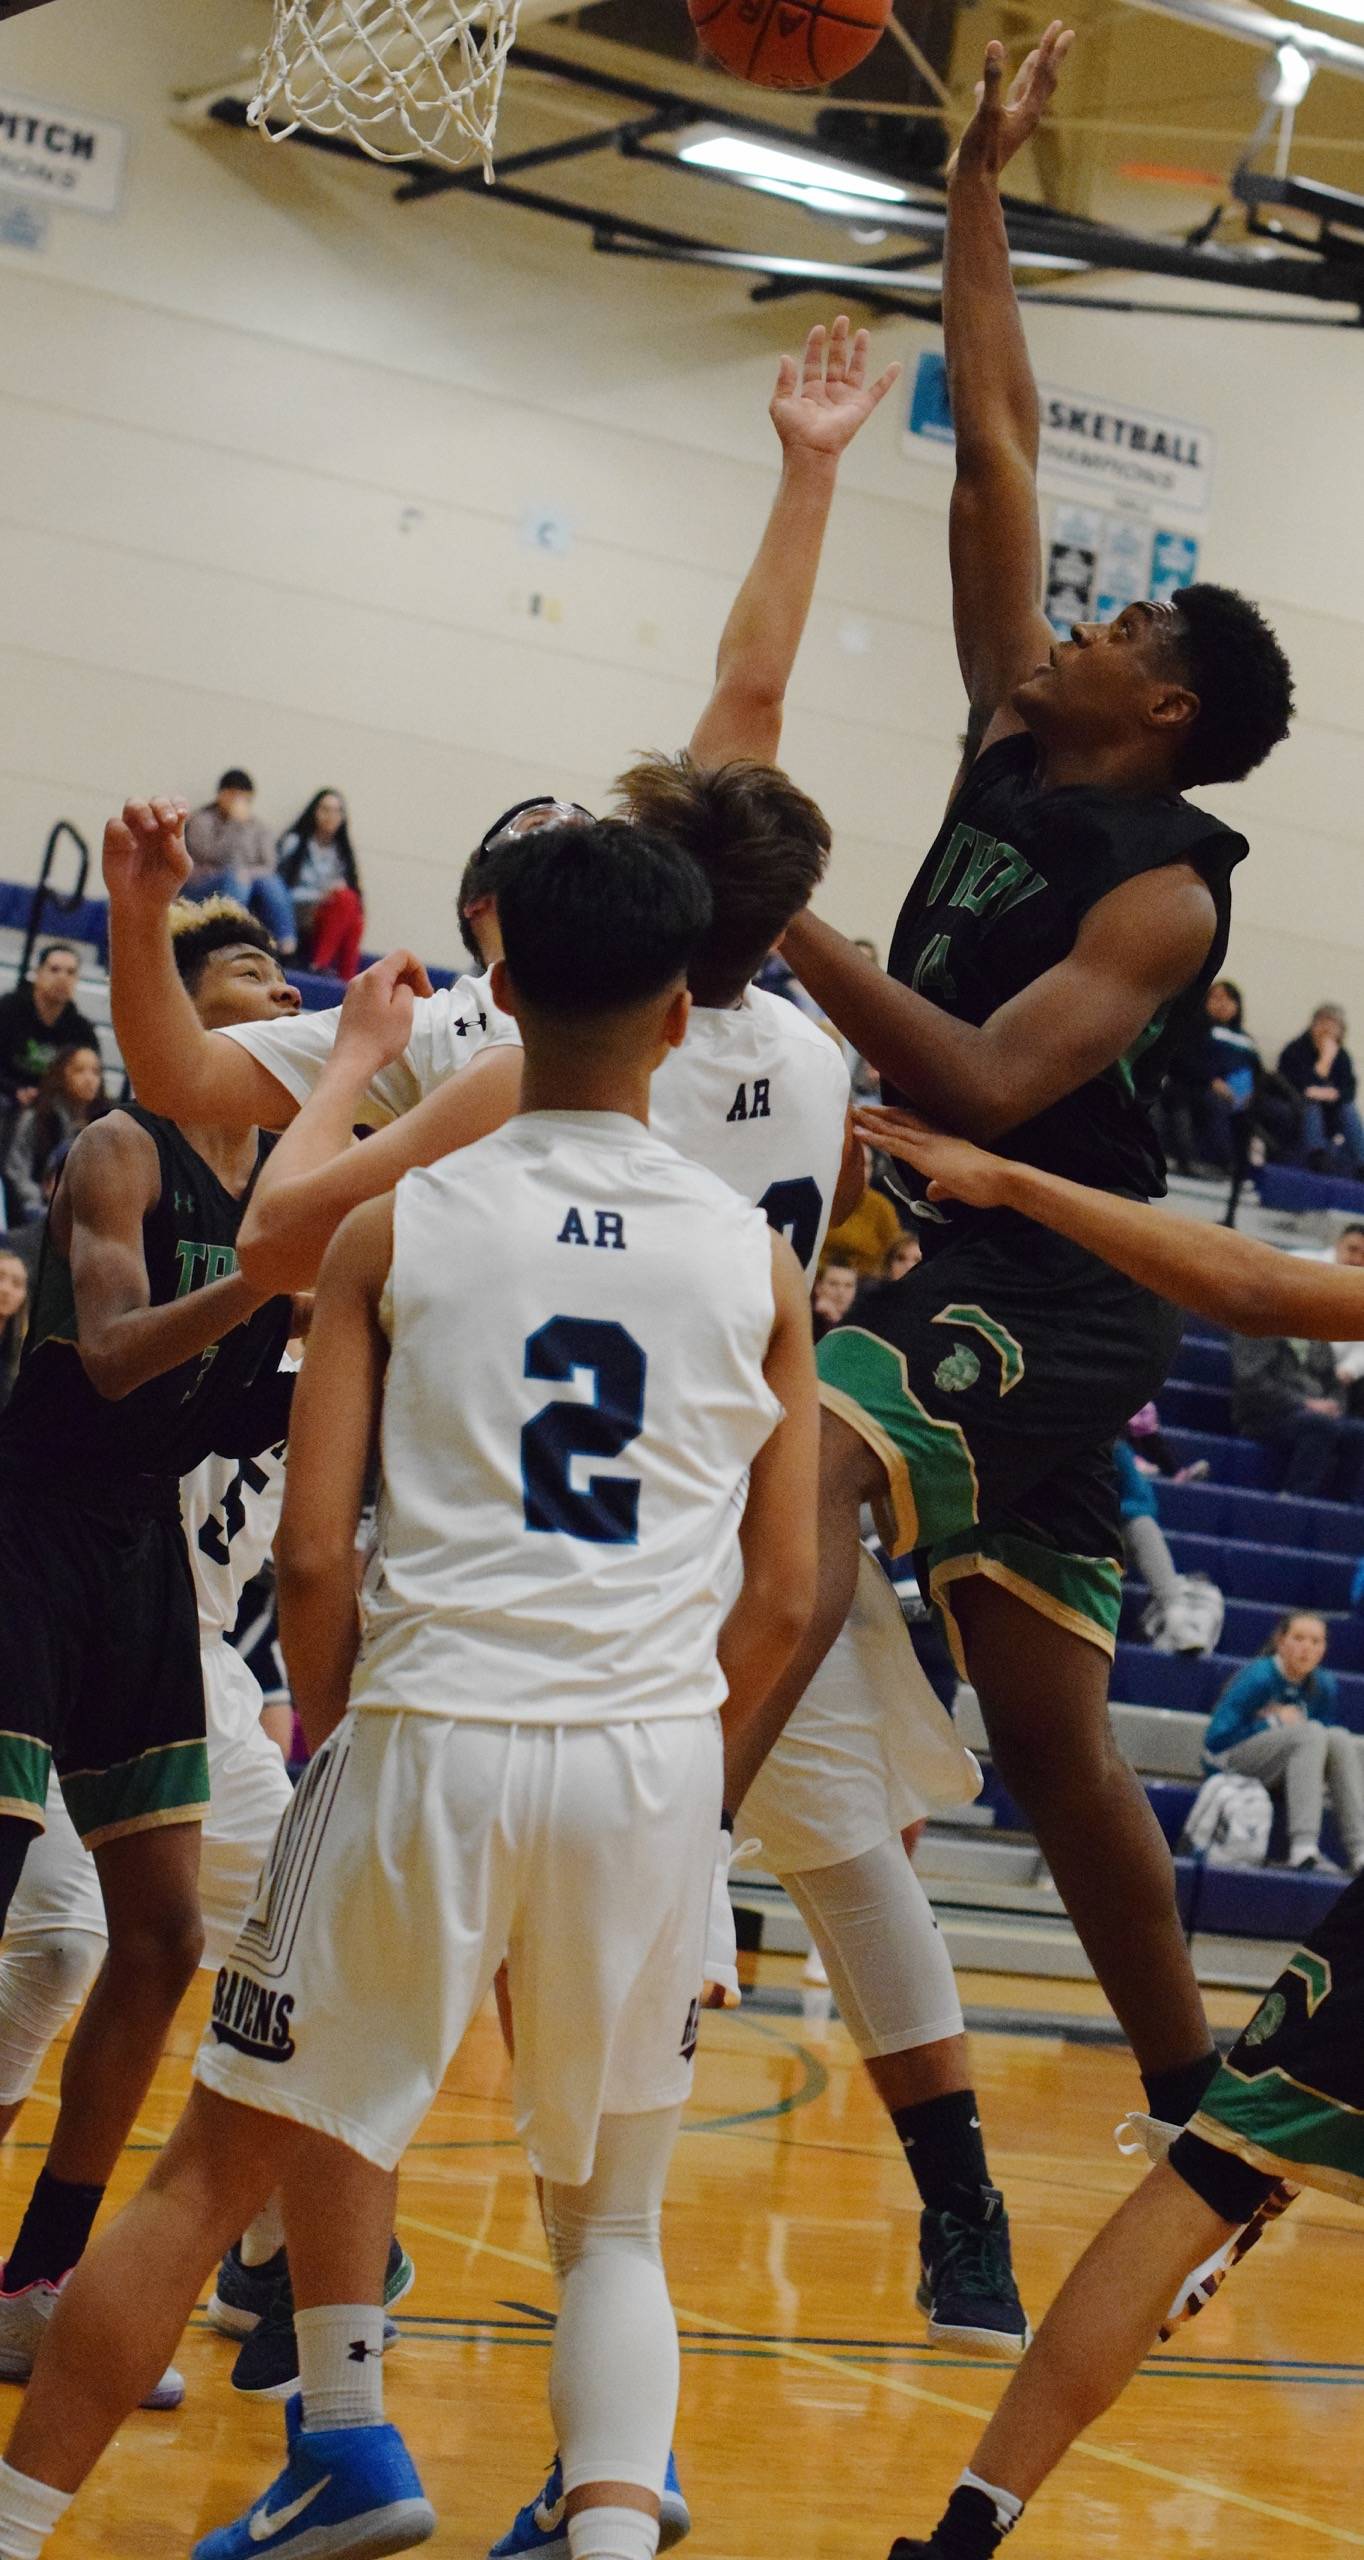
956,1170
820,402
376,1017
1003,122
145,858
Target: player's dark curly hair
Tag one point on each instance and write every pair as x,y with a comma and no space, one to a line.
1242,679
598,918
760,841
220,923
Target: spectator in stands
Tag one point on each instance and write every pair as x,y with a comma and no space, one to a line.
1285,1394
1153,1453
902,1257
13,1320
318,868
39,1018
1277,1721
70,1096
868,1232
234,857
1319,1067
1148,1556
833,1294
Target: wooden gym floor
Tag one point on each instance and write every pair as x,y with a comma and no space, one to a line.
814,2420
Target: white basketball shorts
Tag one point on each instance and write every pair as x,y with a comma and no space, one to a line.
420,1851
868,1750
248,1792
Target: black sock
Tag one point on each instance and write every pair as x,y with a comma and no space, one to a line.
53,2232
946,2155
971,2529
1174,2096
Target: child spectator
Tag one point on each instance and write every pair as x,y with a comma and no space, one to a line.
71,1094
1319,1067
13,1321
833,1294
1277,1721
318,868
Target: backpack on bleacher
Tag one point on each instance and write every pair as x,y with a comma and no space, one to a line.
1229,1822
1192,1623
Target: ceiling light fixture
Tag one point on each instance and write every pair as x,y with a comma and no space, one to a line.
806,177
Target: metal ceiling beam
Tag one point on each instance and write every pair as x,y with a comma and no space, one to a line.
1249,25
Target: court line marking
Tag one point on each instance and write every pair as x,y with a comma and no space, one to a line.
846,2369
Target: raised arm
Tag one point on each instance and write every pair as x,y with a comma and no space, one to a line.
111,1181
994,535
1213,1271
315,1176
817,408
174,1065
1137,948
335,1420
779,1533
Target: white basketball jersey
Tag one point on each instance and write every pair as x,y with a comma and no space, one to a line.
578,1320
759,1095
230,1508
448,1029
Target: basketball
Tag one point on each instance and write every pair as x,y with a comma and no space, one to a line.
790,44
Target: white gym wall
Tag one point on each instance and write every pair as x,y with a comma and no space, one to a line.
271,449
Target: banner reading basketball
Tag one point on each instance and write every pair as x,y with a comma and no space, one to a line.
60,154
1106,448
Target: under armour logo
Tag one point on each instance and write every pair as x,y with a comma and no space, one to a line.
357,2351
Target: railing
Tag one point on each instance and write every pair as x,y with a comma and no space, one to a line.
65,901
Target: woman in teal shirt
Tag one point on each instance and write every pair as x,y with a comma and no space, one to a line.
1278,1721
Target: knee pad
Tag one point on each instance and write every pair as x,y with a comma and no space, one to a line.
43,1981
886,1958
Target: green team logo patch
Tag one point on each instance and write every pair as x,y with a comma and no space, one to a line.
958,1371
1268,2019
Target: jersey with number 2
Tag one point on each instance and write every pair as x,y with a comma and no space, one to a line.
578,1320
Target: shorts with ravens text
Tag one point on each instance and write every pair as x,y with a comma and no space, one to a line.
418,1852
1289,2099
99,1661
991,1382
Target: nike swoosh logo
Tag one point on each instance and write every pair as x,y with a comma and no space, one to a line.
549,2519
263,2526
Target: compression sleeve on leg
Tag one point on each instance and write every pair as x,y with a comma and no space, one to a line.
883,1951
614,2371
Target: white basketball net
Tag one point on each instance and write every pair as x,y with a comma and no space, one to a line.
402,78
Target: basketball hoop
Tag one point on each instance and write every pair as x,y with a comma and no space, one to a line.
401,78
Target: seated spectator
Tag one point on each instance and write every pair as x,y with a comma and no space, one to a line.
1285,1394
1319,1067
1153,1453
833,1294
318,868
1277,1721
70,1096
901,1257
39,1018
234,857
868,1232
13,1321
1185,1612
1217,1095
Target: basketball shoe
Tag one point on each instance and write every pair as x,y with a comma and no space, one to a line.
967,2282
267,2361
541,2529
970,2530
1140,2133
23,2323
345,2493
242,2295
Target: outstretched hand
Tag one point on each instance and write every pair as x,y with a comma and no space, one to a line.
820,403
956,1170
145,858
1002,122
376,1016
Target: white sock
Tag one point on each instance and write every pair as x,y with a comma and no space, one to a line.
341,2365
1007,2507
29,2512
612,2533
263,2237
1302,1853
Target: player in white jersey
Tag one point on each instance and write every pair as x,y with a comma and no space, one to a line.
525,1757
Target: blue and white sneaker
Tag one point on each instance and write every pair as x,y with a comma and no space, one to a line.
541,2530
345,2493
